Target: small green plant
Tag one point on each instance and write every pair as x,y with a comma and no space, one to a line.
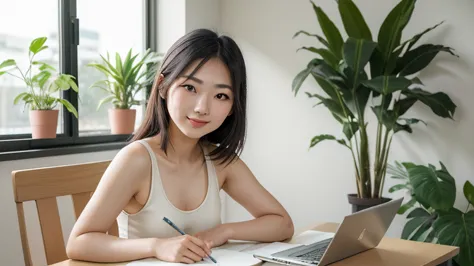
42,85
433,217
125,79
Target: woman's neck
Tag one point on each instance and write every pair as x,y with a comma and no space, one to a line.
181,148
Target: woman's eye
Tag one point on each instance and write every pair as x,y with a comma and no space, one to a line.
189,88
222,96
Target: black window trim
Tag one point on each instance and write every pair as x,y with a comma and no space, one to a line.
22,146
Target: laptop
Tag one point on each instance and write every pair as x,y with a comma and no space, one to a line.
357,233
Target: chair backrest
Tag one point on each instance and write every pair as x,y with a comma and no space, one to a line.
43,185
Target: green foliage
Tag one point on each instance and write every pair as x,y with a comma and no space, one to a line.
125,78
41,86
433,217
379,67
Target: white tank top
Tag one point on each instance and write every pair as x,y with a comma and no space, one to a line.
148,222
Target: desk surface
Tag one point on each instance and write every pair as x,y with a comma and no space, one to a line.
390,252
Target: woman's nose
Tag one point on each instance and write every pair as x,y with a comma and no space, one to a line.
202,105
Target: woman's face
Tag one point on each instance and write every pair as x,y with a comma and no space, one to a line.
199,105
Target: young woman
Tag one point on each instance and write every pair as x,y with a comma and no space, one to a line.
184,153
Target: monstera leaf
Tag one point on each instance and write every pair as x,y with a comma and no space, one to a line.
456,228
434,187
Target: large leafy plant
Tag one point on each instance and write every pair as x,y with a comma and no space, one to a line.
126,78
432,216
41,80
361,67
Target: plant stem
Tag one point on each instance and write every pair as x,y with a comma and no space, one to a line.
364,160
14,75
468,205
384,166
358,179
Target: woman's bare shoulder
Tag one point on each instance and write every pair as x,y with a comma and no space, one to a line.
135,158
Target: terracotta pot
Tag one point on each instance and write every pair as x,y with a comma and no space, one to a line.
359,204
44,123
122,121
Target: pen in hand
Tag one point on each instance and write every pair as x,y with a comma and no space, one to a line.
168,221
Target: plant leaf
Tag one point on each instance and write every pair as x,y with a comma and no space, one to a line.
349,129
397,171
439,102
468,190
37,45
330,30
335,108
68,106
20,96
105,100
357,53
407,206
353,20
411,121
327,55
417,59
390,32
320,39
388,84
328,87
415,38
415,227
377,63
401,106
418,212
7,63
299,79
317,139
455,228
430,188
397,187
386,117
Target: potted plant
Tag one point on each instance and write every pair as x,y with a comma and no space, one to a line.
124,79
433,217
382,68
41,88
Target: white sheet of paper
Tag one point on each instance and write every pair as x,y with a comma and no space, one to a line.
238,245
311,236
223,257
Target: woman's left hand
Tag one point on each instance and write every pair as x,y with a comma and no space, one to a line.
214,237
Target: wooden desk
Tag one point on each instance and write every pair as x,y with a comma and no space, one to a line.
390,252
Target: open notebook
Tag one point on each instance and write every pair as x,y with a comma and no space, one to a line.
242,253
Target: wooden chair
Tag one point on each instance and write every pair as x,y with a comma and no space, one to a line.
43,185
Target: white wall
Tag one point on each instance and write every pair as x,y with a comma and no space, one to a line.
202,14
171,22
11,252
312,184
176,17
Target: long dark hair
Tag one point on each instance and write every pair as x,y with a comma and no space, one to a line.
200,44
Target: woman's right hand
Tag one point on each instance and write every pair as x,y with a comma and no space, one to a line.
183,249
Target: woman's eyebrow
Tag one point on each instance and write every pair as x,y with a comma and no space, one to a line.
222,86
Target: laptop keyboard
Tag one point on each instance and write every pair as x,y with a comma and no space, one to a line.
313,252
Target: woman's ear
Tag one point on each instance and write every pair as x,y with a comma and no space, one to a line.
159,83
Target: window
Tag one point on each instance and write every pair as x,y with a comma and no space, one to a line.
78,32
101,33
15,37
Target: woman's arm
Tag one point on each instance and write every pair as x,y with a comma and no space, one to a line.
120,182
272,222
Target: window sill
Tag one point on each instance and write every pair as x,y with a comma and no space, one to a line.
65,150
